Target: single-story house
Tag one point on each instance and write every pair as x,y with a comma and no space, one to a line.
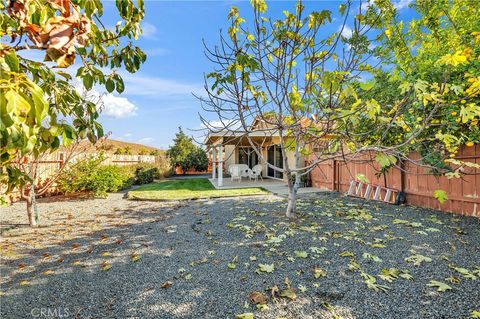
234,147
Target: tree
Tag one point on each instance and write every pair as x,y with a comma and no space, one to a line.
327,97
179,153
40,108
431,71
197,159
301,81
41,176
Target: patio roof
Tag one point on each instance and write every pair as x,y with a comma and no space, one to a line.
241,137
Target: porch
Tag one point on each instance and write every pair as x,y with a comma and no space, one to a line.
275,186
227,149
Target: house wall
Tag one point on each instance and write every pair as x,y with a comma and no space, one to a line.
230,156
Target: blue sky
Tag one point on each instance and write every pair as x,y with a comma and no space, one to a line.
158,99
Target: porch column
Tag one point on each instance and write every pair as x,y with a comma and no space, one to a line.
220,166
214,162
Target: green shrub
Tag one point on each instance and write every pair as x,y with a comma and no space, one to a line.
146,173
91,176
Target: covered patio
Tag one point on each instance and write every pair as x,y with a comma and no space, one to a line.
274,186
229,148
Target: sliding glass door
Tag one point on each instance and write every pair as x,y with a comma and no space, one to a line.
247,156
274,157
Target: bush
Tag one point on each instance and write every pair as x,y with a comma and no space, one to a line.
145,173
91,176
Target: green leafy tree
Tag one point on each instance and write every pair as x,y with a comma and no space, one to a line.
40,108
429,83
296,77
179,153
197,159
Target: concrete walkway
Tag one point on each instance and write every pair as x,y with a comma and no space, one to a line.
274,186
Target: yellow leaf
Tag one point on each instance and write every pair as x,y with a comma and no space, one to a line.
106,266
48,272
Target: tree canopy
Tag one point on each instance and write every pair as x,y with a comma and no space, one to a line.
186,154
40,107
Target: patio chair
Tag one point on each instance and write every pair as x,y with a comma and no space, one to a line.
235,172
256,172
245,171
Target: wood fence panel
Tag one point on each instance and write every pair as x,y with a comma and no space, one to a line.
419,183
49,164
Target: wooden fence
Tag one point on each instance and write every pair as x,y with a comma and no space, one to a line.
415,181
49,164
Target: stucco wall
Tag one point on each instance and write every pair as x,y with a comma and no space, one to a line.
230,156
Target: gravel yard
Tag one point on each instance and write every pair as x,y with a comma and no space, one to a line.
342,258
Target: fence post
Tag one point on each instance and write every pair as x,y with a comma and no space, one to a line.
61,160
334,177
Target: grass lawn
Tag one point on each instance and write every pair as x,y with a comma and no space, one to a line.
192,188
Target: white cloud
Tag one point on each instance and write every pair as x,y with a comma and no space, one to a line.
156,52
146,140
142,85
346,32
218,125
402,4
118,107
111,105
127,134
149,31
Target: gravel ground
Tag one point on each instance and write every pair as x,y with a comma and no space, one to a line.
110,258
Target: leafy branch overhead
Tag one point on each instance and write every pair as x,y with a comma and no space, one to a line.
40,108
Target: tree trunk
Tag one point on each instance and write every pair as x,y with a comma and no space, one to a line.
293,185
292,197
31,218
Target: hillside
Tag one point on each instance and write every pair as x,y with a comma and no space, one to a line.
111,146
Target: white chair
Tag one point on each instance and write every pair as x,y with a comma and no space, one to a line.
235,172
256,172
245,171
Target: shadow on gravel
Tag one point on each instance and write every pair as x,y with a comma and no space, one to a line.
149,261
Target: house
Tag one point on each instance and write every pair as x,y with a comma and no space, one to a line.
235,147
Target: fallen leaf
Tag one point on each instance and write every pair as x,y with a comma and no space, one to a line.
269,268
167,284
48,272
439,285
301,254
288,293
318,272
258,298
247,315
106,266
